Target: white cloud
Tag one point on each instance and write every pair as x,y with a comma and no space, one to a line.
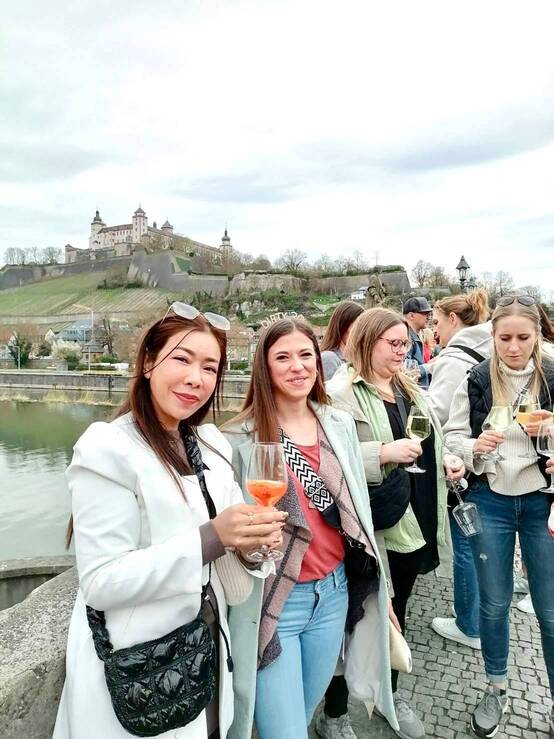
415,129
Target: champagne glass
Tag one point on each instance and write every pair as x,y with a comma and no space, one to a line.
526,404
266,481
465,514
500,419
418,428
545,446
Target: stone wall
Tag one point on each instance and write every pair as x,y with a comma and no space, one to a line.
395,282
33,637
159,269
245,282
14,276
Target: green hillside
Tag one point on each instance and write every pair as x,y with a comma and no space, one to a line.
63,294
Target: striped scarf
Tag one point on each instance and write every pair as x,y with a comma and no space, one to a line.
296,540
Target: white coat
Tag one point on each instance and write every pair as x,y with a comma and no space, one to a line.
139,559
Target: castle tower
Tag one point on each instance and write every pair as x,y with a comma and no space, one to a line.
226,248
167,228
96,226
140,224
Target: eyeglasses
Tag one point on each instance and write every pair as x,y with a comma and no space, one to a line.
521,299
190,312
397,345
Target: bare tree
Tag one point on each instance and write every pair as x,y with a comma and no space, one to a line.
324,263
292,260
51,255
421,272
11,255
33,254
20,256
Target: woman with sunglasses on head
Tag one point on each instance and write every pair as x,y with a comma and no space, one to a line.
292,626
507,492
154,507
409,510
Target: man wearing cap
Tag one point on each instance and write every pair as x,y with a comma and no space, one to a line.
416,312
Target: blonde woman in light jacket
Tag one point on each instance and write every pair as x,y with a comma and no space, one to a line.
367,388
287,391
143,537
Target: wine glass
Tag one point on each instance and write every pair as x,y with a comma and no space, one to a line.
411,368
500,419
526,404
545,446
418,428
266,481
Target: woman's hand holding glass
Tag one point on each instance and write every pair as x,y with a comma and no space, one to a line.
500,419
536,419
401,451
247,527
454,467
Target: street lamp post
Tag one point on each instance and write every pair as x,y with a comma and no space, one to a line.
462,269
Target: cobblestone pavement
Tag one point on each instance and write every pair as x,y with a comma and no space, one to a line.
447,677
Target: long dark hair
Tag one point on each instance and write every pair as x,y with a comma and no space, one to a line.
260,405
343,317
139,397
547,327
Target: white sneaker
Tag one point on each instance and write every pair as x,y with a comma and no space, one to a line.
526,604
447,628
334,728
409,725
520,584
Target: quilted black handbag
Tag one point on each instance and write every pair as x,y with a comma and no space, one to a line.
165,683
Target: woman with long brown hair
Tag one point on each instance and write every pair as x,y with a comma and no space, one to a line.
409,511
336,336
154,506
509,492
292,626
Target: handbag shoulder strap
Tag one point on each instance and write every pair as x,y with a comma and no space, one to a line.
313,485
471,352
97,619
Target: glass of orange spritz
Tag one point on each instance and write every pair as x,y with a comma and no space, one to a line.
266,481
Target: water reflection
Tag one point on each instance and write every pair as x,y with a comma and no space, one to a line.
36,445
36,441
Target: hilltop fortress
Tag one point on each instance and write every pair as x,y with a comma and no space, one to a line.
106,242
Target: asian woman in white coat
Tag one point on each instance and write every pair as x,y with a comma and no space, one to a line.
143,535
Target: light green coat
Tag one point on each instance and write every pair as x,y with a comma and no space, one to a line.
367,659
406,535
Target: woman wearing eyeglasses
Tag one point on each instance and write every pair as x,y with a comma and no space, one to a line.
508,492
378,395
154,507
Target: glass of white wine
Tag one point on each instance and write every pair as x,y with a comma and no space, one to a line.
500,419
418,428
545,446
526,405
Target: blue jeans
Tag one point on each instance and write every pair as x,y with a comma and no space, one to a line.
310,629
493,552
466,586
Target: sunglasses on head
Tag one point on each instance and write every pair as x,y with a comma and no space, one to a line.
190,312
521,299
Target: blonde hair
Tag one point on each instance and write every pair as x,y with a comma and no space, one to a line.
363,337
500,387
428,337
471,309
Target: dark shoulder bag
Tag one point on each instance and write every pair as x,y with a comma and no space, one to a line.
163,684
390,499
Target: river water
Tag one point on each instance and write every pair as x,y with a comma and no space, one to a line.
36,443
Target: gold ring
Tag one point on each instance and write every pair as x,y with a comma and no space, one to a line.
251,519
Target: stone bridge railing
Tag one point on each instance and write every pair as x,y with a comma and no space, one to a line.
33,636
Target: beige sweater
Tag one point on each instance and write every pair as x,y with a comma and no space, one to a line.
514,475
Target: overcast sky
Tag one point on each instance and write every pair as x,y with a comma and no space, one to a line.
411,129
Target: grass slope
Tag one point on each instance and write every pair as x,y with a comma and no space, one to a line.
63,294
